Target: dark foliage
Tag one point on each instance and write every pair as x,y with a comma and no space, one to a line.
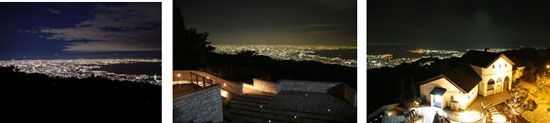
190,46
37,97
288,69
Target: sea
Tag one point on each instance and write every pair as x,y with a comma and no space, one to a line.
350,54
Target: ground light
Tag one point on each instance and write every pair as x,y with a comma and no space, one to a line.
437,101
224,93
469,116
498,118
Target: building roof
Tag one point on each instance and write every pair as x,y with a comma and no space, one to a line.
483,59
438,91
518,61
463,77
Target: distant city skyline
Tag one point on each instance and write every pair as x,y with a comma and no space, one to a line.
252,22
73,30
459,24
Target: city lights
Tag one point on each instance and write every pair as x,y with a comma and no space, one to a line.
291,52
82,68
388,60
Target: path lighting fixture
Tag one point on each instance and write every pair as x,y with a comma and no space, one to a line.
261,106
295,117
498,118
269,121
224,93
328,110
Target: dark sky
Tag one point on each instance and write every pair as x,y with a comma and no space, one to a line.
458,24
325,22
51,29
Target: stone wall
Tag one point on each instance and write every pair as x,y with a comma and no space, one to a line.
266,86
204,105
344,92
305,86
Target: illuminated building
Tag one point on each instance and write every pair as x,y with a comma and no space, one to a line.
495,69
481,73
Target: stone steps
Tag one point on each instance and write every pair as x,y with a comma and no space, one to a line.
257,114
264,101
263,97
307,107
291,113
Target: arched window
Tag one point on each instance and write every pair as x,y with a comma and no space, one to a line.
499,80
490,84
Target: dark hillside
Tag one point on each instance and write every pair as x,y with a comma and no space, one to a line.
37,97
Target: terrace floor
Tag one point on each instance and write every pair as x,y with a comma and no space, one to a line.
491,99
288,106
428,112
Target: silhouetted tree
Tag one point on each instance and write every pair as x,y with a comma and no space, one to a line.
247,53
191,49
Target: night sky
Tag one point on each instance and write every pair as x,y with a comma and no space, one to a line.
459,24
46,30
321,22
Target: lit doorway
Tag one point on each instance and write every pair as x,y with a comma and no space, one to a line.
437,101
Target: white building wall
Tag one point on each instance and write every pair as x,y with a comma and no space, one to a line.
464,99
502,69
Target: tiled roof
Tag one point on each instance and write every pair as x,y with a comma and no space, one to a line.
480,58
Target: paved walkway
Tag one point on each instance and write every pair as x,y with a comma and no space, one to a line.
289,106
